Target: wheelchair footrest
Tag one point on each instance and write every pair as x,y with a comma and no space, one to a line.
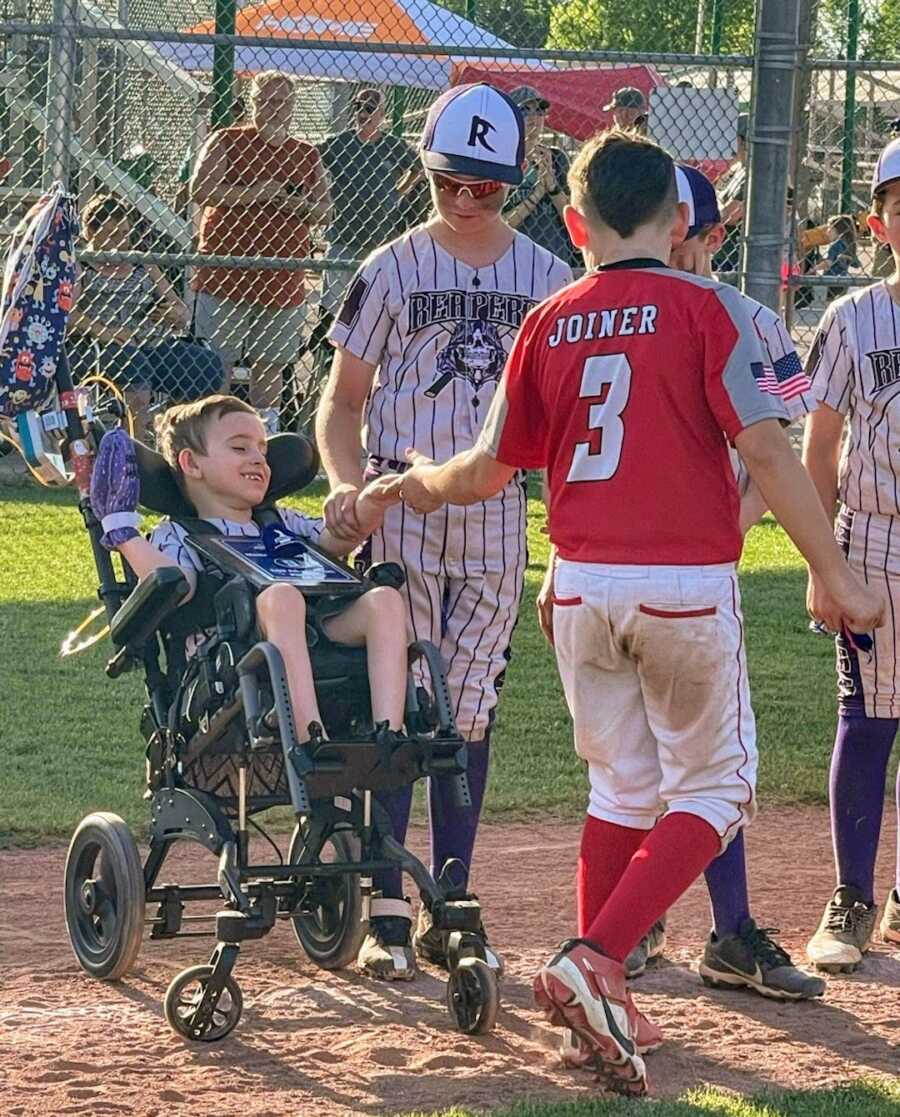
456,915
236,926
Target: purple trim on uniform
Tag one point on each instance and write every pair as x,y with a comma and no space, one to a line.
453,828
726,879
398,804
849,679
862,749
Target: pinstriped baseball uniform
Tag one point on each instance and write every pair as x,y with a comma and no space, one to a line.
439,332
854,365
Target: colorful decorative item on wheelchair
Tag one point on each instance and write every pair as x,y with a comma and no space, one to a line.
37,294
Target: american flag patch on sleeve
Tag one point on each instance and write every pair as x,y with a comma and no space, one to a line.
784,378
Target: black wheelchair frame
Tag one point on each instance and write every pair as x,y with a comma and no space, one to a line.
342,834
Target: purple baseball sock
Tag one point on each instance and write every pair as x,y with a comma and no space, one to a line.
897,795
862,748
726,879
453,828
398,804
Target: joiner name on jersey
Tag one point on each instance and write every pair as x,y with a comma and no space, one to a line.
428,307
620,321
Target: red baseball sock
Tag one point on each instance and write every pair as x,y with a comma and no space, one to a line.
605,852
671,857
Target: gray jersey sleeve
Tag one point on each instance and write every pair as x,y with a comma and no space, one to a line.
732,387
364,320
830,363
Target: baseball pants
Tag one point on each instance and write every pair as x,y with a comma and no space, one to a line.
465,569
653,666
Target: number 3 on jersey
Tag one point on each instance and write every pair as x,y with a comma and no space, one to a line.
607,378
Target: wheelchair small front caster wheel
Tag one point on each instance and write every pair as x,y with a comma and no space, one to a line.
197,1022
104,896
473,996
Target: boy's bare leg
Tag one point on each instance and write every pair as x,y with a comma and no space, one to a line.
378,620
281,615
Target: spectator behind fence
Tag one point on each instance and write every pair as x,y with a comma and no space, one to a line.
261,190
536,207
189,159
629,108
841,255
126,320
365,165
731,190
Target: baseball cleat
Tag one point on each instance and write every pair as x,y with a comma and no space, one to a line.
845,933
648,950
428,943
890,921
386,952
752,959
583,990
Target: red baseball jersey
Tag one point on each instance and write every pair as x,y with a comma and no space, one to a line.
625,387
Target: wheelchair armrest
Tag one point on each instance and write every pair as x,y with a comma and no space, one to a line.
147,606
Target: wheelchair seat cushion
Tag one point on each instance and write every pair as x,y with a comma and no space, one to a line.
292,458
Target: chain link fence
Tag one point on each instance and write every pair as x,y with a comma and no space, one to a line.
848,109
235,161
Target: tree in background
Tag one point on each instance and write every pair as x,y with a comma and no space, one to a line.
523,23
647,25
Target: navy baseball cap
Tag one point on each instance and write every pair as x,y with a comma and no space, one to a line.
475,130
699,195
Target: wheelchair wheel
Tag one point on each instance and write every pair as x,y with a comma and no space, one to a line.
473,996
104,896
183,998
331,931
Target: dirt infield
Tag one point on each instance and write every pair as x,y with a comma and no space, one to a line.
334,1044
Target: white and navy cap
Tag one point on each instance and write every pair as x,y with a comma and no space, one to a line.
887,168
699,195
475,130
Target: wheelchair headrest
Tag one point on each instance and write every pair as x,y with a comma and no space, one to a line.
293,459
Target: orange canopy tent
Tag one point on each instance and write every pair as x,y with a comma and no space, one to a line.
360,23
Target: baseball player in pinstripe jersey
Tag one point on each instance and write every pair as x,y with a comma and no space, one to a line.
737,952
855,369
421,342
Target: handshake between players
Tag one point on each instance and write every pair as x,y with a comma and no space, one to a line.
835,595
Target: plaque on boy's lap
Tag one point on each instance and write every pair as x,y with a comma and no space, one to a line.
310,570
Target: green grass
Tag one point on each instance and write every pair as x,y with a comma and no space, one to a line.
863,1099
68,735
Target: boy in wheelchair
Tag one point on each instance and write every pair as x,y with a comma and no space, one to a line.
216,447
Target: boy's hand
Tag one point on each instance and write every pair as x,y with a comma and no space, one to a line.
374,500
545,602
340,512
414,487
844,602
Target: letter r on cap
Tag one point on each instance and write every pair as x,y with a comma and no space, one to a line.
479,131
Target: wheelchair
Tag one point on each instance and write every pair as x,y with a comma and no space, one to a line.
222,748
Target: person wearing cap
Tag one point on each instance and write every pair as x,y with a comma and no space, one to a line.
421,340
738,952
536,206
365,164
850,450
629,109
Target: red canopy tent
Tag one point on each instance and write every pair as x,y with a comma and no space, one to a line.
576,97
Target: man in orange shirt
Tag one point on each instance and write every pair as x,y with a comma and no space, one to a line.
261,190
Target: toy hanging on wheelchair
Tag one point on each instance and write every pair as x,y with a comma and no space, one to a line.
219,729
